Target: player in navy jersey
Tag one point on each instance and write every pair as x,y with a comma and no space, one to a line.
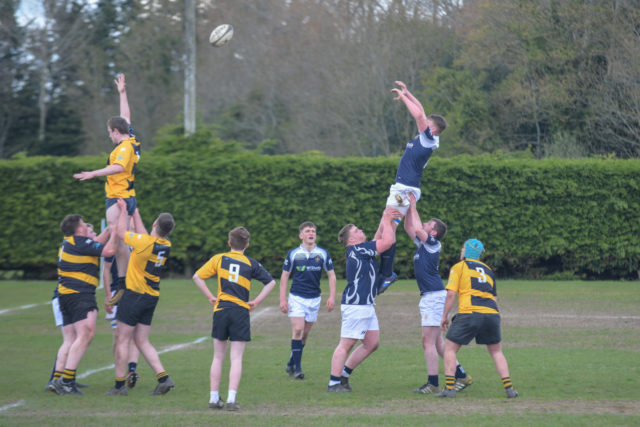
414,159
304,264
427,237
359,320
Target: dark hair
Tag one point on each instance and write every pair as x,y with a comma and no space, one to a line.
238,238
440,227
439,121
307,224
118,123
343,235
165,224
70,224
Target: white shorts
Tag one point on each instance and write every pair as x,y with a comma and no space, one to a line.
357,320
57,314
401,191
304,307
432,307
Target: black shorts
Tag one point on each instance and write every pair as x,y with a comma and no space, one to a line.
75,307
136,308
484,327
132,204
232,324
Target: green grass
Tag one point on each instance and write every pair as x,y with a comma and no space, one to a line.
573,351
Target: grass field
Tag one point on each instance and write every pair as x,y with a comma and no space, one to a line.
573,350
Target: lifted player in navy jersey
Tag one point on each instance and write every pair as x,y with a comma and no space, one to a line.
359,320
231,307
427,238
474,283
414,159
305,264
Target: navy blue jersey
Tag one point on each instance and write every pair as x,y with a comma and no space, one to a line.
415,158
362,274
306,268
114,272
425,264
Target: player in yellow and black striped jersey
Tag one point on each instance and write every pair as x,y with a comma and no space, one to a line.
231,309
136,307
120,171
77,281
473,282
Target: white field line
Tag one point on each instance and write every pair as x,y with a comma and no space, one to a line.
571,316
173,347
12,405
23,307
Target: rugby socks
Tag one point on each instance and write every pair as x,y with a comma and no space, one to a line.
120,382
68,376
296,353
346,372
333,380
232,396
386,261
507,383
460,373
214,396
450,381
433,380
56,375
132,366
162,376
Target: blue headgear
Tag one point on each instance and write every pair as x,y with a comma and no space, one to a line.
473,249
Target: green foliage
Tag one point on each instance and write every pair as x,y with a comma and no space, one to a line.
535,217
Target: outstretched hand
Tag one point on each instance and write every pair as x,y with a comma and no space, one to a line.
83,176
120,83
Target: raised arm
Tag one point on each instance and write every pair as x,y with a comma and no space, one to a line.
138,225
110,248
124,102
108,170
413,224
387,230
413,105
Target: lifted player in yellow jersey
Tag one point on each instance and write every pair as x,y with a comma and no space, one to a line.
140,298
120,171
478,317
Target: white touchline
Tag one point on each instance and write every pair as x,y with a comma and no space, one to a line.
12,405
171,348
22,307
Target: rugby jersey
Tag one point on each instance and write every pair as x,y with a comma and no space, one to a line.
307,270
362,274
475,284
235,271
78,265
425,264
147,261
127,155
415,158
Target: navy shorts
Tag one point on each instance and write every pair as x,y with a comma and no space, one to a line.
136,308
76,307
484,327
132,204
233,324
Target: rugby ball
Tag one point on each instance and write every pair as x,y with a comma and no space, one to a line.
221,35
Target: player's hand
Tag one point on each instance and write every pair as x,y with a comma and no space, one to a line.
213,300
403,87
108,308
398,93
412,199
284,307
444,324
122,204
252,305
330,304
120,83
83,176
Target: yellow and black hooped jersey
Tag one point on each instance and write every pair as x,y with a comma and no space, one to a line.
127,155
235,271
78,265
147,260
476,287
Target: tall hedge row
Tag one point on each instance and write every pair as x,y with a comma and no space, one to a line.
536,217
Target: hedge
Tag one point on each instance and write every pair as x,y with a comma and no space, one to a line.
537,218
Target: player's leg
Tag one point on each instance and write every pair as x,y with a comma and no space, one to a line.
141,337
297,331
495,350
215,373
338,360
132,364
235,372
84,332
122,252
370,343
123,334
450,350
